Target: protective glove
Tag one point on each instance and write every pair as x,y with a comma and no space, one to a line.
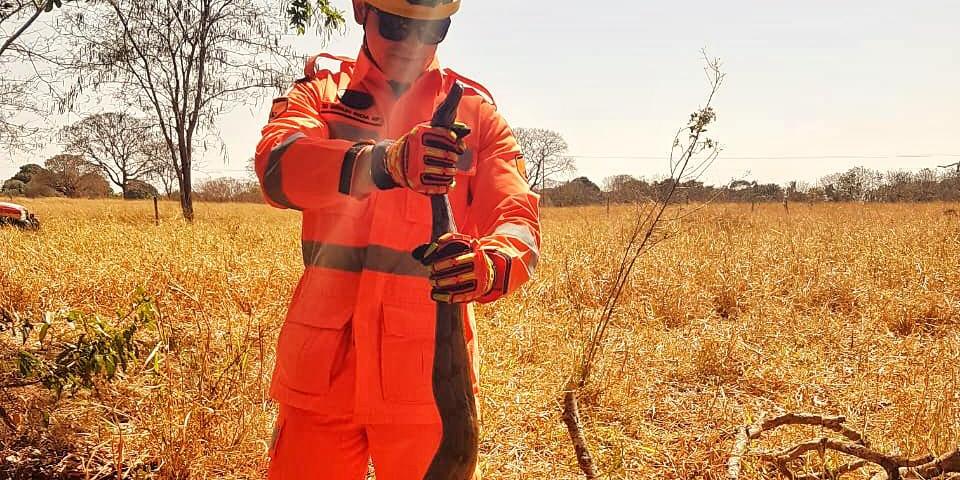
462,272
424,160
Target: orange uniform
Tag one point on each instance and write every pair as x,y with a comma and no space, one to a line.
358,340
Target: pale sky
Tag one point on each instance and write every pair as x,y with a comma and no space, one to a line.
812,87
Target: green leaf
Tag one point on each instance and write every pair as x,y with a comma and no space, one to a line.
43,332
155,357
111,366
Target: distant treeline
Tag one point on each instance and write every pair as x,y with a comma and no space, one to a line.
857,184
70,176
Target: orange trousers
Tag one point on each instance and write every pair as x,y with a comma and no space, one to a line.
314,446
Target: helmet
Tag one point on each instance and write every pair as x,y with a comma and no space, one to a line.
419,9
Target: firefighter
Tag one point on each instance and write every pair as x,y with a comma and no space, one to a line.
351,147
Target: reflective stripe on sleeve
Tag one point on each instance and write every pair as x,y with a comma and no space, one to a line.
526,236
273,178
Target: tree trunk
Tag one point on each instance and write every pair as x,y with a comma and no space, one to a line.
186,196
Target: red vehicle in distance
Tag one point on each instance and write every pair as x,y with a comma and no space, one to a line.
17,216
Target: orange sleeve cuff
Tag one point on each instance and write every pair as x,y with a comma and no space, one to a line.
502,265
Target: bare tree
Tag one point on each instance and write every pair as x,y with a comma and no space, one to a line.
185,62
546,154
115,143
952,165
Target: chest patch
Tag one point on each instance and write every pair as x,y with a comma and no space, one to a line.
337,109
356,99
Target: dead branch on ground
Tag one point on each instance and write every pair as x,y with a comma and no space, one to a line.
852,444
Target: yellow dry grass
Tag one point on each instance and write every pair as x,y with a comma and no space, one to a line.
837,309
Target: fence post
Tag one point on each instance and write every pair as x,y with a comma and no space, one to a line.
156,212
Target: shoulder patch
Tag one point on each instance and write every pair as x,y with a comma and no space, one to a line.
521,164
279,106
472,87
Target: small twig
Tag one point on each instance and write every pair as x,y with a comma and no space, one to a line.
690,146
20,384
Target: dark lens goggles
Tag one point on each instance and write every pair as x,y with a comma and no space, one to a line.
396,28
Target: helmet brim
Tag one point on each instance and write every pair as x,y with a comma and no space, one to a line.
405,8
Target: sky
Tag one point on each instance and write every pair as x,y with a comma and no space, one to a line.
812,87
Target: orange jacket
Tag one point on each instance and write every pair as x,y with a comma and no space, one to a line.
358,336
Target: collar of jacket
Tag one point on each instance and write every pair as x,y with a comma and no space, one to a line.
366,76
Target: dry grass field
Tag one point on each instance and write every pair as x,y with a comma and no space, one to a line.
834,309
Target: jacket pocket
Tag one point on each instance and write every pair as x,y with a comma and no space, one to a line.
406,353
310,356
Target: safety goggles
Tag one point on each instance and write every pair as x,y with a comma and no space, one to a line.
397,29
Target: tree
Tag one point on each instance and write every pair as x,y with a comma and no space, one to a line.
93,185
856,184
71,173
625,188
138,189
13,187
26,172
41,184
185,62
32,180
927,179
114,142
898,185
226,189
546,154
579,191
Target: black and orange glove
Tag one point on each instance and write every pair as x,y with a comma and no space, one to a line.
462,272
424,160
